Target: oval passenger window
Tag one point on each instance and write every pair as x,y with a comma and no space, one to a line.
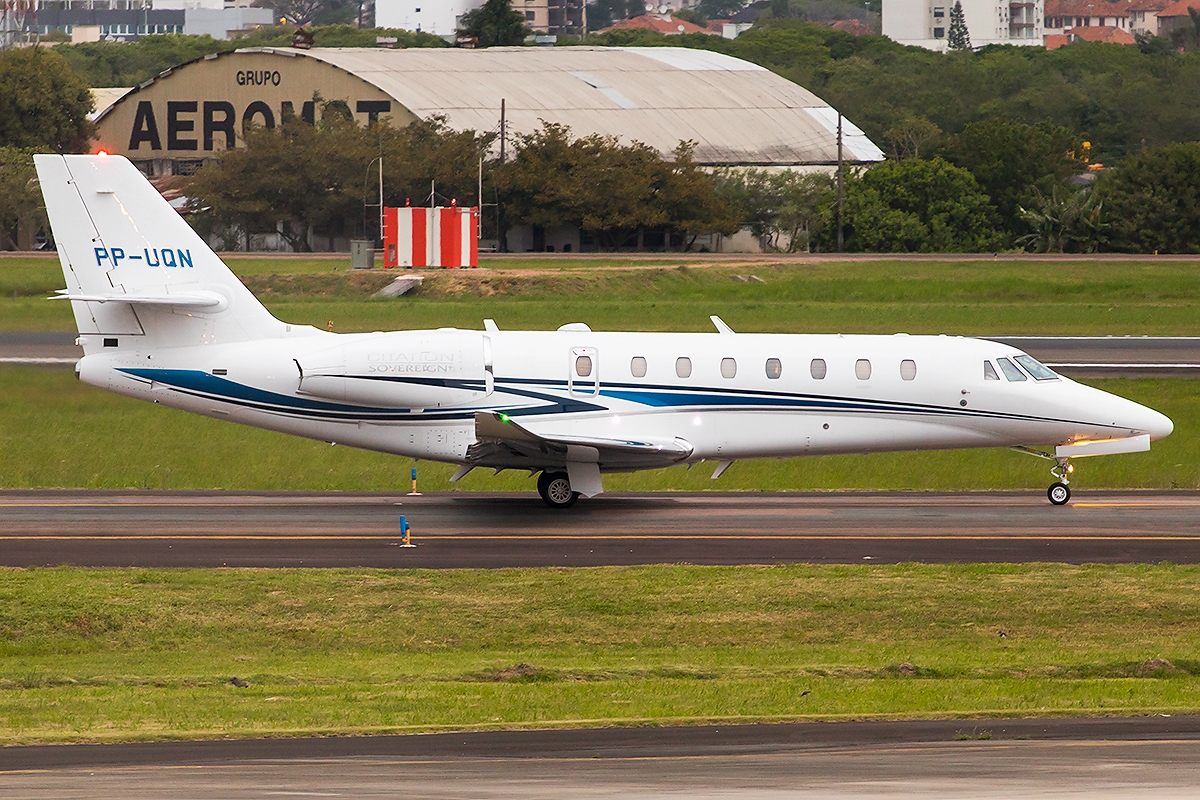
817,369
683,367
638,367
908,369
774,368
728,368
583,366
862,369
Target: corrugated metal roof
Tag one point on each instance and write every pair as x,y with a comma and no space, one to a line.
737,112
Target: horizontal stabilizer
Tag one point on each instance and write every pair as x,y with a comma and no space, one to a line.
501,442
209,300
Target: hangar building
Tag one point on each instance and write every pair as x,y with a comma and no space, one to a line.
738,113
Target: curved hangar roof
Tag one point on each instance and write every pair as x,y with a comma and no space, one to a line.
738,113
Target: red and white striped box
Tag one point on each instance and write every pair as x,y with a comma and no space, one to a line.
445,236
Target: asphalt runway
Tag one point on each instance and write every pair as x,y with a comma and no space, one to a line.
1075,356
1137,758
460,529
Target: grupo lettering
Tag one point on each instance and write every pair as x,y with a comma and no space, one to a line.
258,77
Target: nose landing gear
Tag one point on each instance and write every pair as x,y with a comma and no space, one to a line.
1059,492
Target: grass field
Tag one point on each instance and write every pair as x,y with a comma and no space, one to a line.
874,297
105,655
58,432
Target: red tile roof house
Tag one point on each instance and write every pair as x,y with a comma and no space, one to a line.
1176,16
1143,15
1063,16
654,22
1091,20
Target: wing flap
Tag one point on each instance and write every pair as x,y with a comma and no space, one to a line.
502,443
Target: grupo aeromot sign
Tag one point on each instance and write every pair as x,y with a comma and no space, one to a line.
205,106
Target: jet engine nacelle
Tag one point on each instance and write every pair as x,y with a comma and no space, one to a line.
406,369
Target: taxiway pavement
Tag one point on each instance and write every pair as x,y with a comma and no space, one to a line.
463,529
1148,757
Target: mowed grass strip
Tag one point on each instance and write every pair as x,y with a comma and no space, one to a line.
969,298
121,654
56,432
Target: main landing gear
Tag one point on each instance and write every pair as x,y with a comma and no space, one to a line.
1059,492
555,489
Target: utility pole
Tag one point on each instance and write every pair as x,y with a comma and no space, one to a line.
380,198
502,130
841,195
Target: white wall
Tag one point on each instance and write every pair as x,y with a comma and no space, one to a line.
217,22
439,17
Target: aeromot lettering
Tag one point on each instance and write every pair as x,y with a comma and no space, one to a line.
153,257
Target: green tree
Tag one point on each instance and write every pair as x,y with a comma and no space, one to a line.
689,199
917,206
426,155
911,136
310,178
44,105
594,182
1153,200
494,24
1065,221
788,209
958,37
1015,162
21,213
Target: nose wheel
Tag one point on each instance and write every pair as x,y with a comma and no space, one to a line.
555,489
1059,491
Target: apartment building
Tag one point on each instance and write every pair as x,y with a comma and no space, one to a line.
926,23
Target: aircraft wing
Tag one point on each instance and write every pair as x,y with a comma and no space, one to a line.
502,443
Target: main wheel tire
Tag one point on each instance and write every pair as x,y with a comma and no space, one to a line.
1059,493
555,489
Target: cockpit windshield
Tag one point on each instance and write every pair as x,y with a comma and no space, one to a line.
1037,369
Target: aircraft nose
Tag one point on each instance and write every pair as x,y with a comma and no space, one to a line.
1141,419
1156,424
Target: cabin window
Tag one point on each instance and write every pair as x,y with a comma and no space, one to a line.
583,366
638,367
1037,369
862,369
908,370
683,367
989,372
817,369
774,368
728,368
1010,370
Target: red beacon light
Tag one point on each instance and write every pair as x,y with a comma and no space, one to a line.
101,152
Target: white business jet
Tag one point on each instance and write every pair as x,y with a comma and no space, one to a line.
161,318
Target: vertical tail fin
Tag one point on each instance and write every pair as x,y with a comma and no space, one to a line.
133,267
